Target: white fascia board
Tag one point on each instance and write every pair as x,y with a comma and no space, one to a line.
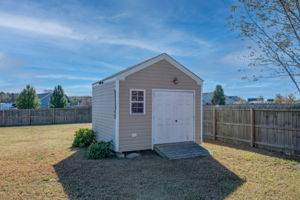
117,116
94,85
201,113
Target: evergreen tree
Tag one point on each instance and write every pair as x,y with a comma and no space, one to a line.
28,99
58,98
218,96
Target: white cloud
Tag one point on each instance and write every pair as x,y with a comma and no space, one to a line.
85,86
68,77
114,17
39,26
237,58
7,63
104,64
111,35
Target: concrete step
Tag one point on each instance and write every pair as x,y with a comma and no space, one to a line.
180,150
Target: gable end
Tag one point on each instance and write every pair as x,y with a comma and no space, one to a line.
123,74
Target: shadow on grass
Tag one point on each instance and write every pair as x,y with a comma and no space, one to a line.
146,177
246,147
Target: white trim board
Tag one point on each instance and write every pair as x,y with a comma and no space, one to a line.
117,121
97,84
201,114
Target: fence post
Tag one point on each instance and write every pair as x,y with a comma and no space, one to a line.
29,117
214,123
91,115
53,116
75,115
3,121
252,127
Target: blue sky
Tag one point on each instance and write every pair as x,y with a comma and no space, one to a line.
75,43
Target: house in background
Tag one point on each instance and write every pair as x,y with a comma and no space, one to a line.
45,99
73,101
232,99
258,100
154,102
207,97
78,101
7,106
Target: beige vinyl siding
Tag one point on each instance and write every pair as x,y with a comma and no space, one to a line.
103,111
159,75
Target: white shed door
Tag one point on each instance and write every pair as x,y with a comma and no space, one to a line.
172,116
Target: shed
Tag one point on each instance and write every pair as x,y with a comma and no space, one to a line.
154,102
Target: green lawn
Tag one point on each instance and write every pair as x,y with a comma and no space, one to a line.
36,162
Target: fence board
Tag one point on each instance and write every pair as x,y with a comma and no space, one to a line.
275,127
45,116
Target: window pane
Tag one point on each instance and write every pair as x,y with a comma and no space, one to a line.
134,98
134,92
140,98
133,95
137,95
140,105
134,110
137,107
134,105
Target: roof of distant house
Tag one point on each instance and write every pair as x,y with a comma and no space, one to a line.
207,97
254,99
45,99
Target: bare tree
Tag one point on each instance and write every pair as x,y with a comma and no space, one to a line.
274,27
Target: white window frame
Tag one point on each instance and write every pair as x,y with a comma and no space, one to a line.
130,101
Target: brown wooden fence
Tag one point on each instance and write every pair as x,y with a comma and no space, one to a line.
264,126
45,116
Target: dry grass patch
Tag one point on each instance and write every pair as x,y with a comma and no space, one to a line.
267,175
37,162
27,156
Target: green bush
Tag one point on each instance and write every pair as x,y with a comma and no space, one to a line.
100,149
84,137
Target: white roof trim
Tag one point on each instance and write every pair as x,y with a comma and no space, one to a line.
94,85
155,60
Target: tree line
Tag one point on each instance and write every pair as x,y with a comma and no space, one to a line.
28,98
8,97
219,98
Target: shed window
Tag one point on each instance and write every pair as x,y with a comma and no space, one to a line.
137,101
